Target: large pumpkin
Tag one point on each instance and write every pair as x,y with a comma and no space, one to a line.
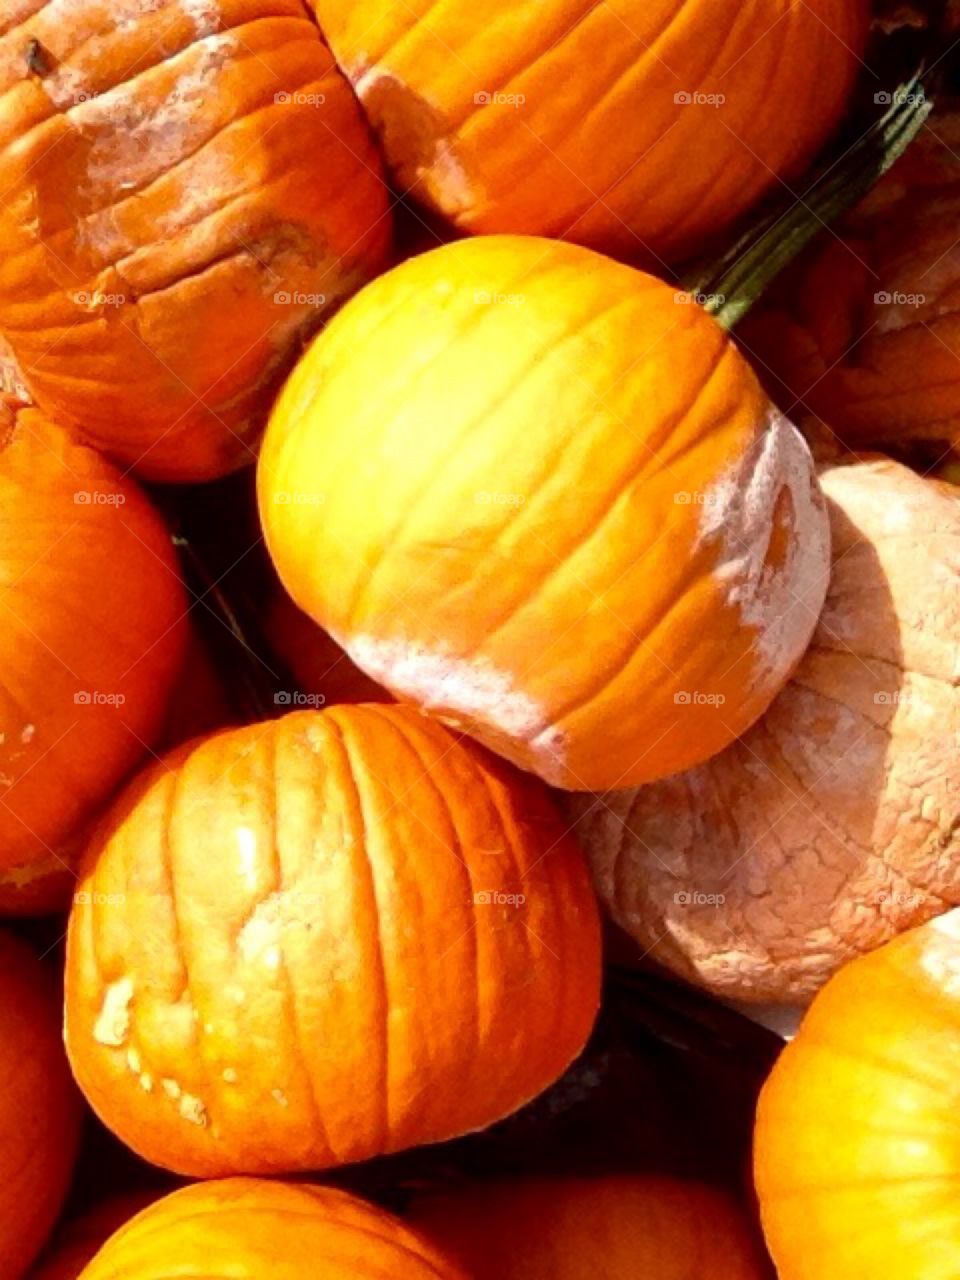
541,494
346,924
188,189
833,823
865,328
617,1227
249,1227
856,1143
39,1107
91,620
633,126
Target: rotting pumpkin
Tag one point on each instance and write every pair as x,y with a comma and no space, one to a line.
39,1107
542,495
253,1227
349,924
856,1160
638,127
92,613
189,188
833,823
611,1227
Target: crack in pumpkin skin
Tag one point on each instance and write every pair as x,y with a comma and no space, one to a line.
162,184
293,1231
663,534
832,824
504,997
471,122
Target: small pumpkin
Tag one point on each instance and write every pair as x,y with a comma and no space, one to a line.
541,495
92,623
833,823
189,188
323,671
39,1107
865,328
634,127
856,1152
349,924
251,1227
615,1227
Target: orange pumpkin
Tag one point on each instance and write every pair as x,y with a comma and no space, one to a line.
189,189
323,671
249,1227
834,822
78,1239
542,495
856,1142
865,328
617,1227
39,1107
91,616
347,924
639,127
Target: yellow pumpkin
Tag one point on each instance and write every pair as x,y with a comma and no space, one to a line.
542,495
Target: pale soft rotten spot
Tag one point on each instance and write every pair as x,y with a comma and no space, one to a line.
780,602
113,1024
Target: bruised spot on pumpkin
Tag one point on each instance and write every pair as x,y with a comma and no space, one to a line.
113,1024
417,138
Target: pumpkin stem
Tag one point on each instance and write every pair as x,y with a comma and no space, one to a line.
730,287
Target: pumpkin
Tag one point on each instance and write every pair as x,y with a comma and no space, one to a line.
540,494
614,1227
91,619
323,672
348,924
856,1152
79,1238
189,188
865,328
833,823
634,127
39,1107
251,1227
46,885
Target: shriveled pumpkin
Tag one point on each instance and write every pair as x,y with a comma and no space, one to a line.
39,1107
833,823
91,628
541,495
324,673
856,1158
252,1227
348,925
865,328
189,188
617,1227
636,127
78,1239
198,704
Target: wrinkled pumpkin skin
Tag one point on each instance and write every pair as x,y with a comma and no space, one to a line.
249,1227
39,1107
92,621
856,1159
189,188
618,1227
568,118
599,554
348,924
864,329
833,823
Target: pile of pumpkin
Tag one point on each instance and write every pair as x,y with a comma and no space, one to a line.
577,616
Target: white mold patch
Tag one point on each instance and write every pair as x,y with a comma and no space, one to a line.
782,601
113,1024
